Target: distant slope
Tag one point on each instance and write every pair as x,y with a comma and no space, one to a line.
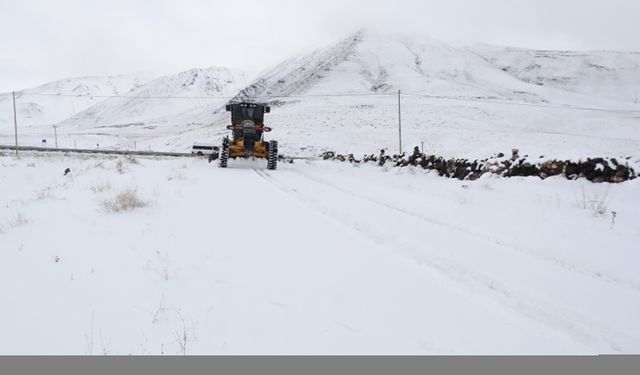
370,62
343,98
148,102
607,74
57,105
329,100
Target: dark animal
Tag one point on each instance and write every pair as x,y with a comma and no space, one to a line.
67,171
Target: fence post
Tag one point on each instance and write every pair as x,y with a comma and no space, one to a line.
399,125
15,120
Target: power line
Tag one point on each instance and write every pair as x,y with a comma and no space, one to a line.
122,96
202,97
365,94
333,95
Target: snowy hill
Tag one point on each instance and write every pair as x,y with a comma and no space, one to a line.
459,101
608,74
342,97
369,62
63,98
148,102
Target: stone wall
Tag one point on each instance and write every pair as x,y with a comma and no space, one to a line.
593,169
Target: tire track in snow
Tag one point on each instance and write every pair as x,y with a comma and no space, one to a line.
571,323
516,248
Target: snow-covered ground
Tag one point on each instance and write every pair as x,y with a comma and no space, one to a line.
323,257
314,258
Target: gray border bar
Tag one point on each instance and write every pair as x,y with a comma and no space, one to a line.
320,365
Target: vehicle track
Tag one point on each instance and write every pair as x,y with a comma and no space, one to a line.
516,248
561,319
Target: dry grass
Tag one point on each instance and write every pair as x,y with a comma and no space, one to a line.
126,200
122,163
120,167
177,175
596,203
17,220
100,187
43,194
131,159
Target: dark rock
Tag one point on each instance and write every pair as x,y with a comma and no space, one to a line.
594,169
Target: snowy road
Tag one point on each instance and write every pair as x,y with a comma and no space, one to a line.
313,258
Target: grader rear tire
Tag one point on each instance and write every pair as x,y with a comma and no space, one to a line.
272,159
224,153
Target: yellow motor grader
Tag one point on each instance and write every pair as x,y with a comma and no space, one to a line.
247,126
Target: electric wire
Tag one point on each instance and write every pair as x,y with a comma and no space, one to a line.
352,94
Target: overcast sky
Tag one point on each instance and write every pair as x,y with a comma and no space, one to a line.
44,40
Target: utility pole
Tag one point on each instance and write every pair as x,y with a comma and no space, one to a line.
55,131
15,120
399,125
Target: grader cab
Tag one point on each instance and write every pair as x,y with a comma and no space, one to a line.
247,126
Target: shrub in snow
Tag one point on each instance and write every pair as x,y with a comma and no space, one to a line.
176,176
18,220
43,194
99,187
131,159
124,201
596,204
120,166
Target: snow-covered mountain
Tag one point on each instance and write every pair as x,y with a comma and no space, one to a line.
459,101
370,62
330,99
608,74
56,101
165,96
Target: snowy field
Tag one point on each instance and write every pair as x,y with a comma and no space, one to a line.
451,128
314,258
325,257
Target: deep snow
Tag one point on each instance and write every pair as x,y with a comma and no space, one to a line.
323,257
314,258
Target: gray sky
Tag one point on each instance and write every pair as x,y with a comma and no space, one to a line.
43,40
